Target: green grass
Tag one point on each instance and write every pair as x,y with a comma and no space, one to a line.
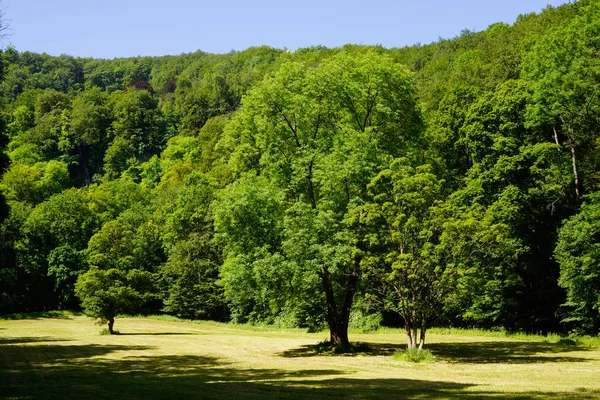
415,356
160,358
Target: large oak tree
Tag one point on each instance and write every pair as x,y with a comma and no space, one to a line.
318,135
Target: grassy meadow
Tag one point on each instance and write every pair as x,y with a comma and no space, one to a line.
65,357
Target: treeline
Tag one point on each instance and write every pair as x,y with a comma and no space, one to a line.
454,183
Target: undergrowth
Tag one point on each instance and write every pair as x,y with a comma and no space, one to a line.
415,356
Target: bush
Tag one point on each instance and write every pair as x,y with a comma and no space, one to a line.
415,356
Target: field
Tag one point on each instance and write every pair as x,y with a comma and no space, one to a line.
65,357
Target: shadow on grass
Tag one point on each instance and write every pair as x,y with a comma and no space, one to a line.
40,315
373,349
477,352
94,371
45,354
156,333
25,339
506,352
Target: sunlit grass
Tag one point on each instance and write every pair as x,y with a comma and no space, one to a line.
161,358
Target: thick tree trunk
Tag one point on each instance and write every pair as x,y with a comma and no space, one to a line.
337,318
111,323
338,335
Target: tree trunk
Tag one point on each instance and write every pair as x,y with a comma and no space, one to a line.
555,135
111,323
423,331
573,158
338,335
409,339
338,319
414,336
575,174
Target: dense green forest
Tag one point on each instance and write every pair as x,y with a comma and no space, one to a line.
455,183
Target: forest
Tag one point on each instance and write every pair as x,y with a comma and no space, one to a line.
452,184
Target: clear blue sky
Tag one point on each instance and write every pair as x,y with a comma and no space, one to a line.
120,28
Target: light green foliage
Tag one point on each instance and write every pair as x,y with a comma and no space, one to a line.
110,199
22,120
129,237
33,184
106,293
316,136
27,154
179,148
247,221
130,242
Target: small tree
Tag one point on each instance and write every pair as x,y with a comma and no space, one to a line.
423,251
105,294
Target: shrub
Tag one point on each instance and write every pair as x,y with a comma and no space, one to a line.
414,356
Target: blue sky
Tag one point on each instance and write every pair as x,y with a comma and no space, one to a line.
120,28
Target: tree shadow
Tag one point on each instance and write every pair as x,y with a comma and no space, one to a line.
26,339
43,354
498,352
91,371
311,350
156,333
37,315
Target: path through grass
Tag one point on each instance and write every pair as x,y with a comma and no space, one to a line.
67,358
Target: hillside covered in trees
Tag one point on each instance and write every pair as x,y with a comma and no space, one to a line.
455,183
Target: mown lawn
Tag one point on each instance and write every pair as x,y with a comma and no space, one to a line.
65,357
